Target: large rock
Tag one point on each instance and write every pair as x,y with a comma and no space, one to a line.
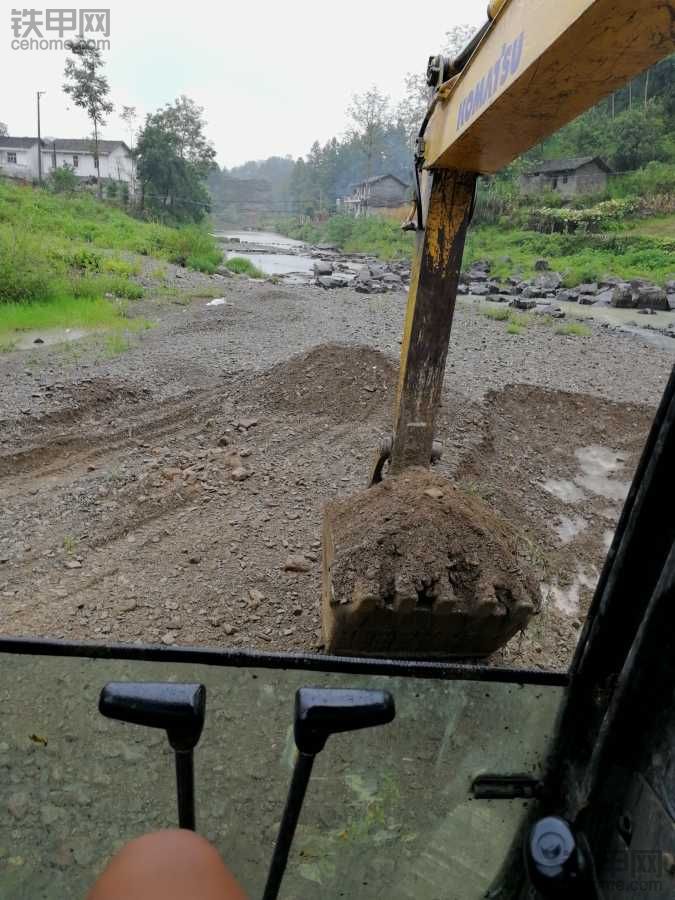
332,281
604,298
589,289
499,298
670,286
671,300
476,275
569,295
548,281
622,296
323,268
525,302
478,289
651,296
481,265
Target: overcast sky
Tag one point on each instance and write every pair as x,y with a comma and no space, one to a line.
272,76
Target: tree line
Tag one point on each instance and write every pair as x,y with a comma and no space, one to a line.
629,129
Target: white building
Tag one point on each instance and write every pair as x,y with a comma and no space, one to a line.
19,158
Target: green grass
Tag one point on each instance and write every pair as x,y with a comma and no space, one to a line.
242,266
367,234
656,227
644,249
7,344
66,312
574,329
517,322
54,268
499,314
122,267
116,343
85,221
578,257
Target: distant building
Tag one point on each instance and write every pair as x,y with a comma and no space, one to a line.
19,158
568,177
381,195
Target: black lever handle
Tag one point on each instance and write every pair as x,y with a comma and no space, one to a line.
177,708
320,712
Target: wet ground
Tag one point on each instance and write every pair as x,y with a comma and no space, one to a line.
173,493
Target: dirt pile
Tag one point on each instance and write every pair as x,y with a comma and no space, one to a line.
344,383
414,567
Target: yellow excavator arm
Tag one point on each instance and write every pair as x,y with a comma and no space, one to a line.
539,64
535,65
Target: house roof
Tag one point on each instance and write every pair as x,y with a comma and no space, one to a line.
18,143
376,178
75,145
78,145
549,166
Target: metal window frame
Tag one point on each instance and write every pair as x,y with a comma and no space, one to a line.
253,659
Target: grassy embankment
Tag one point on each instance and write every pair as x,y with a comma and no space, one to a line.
640,248
69,261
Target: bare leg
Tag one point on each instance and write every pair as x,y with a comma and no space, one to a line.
167,865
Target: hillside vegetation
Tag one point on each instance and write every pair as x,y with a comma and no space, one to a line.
65,251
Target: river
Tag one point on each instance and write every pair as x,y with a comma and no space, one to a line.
273,261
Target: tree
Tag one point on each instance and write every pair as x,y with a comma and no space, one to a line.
411,109
88,88
370,113
3,129
457,38
171,186
129,116
185,121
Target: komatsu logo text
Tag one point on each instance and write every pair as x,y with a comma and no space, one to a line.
506,67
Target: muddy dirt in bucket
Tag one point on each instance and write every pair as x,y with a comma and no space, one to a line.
416,567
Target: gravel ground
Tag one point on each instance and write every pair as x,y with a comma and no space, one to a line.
173,492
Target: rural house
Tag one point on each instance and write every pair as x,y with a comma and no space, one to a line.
568,177
381,195
19,158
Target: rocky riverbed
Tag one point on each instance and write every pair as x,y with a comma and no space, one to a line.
172,493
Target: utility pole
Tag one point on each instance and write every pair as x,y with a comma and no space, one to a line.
39,94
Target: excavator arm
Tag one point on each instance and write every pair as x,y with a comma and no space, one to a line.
387,586
534,66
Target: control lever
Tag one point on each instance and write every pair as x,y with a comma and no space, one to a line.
320,712
177,708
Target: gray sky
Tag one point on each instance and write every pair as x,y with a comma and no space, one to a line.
272,76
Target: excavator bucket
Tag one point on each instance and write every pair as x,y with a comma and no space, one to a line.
415,568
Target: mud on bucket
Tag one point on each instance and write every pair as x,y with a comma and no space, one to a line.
413,567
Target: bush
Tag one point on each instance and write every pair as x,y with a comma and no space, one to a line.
242,266
62,180
84,259
26,272
111,189
116,266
